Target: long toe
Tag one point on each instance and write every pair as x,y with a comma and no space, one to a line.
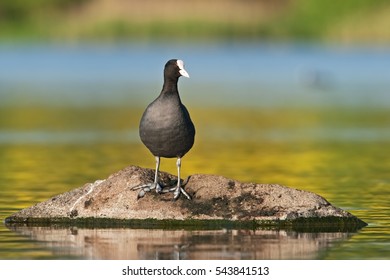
143,189
176,194
158,187
146,187
185,194
179,191
141,194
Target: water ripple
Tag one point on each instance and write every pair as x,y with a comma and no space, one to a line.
46,137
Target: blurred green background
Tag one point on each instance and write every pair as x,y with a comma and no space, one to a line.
68,20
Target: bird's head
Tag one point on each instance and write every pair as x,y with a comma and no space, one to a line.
175,68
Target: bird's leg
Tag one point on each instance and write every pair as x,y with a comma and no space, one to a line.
156,184
148,187
178,188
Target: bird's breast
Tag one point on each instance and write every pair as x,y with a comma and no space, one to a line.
167,130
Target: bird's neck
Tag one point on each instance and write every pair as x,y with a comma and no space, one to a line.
170,86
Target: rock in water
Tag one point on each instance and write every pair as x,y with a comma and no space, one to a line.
216,201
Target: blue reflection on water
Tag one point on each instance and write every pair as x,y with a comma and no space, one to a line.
244,73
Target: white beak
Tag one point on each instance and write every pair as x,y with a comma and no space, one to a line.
182,71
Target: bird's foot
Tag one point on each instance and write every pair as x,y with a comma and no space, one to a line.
178,191
147,188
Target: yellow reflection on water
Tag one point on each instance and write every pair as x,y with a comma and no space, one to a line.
303,148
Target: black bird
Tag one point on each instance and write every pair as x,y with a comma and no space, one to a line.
166,128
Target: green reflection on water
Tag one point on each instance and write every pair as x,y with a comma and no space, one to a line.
341,154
